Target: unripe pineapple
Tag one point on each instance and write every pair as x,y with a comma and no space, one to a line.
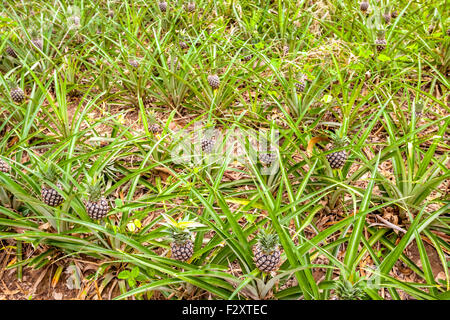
247,57
387,17
97,207
285,50
49,195
394,14
381,41
38,43
134,63
110,14
267,157
17,94
419,108
207,145
183,45
301,83
4,166
214,81
363,6
180,235
266,252
10,51
337,159
190,7
155,128
163,6
181,246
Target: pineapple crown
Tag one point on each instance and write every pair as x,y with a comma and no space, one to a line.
180,231
338,141
49,172
381,34
12,84
419,106
152,117
345,290
93,188
267,241
34,34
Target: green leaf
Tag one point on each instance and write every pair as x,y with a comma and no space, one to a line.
125,274
134,272
383,57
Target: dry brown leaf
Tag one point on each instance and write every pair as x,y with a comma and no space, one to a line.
312,142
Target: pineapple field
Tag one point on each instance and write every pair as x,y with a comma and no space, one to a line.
224,150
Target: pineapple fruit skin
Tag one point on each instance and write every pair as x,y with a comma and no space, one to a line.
97,210
4,166
337,159
10,51
214,81
38,43
17,95
207,145
300,85
364,6
380,44
155,128
183,45
266,262
182,251
51,197
163,6
133,63
190,7
267,158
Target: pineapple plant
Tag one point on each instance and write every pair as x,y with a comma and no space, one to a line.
51,196
163,6
10,51
214,81
364,6
380,42
266,252
180,234
4,166
96,206
337,159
